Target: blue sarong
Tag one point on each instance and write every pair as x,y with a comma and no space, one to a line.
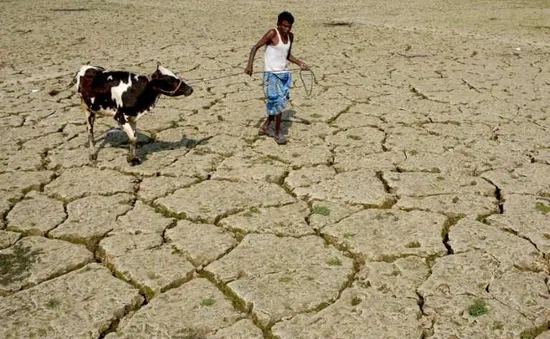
277,91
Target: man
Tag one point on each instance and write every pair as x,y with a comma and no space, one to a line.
277,80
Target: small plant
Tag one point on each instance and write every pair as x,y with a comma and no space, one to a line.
478,308
334,262
413,244
497,325
321,210
385,215
542,208
53,303
252,211
356,301
285,279
208,302
349,235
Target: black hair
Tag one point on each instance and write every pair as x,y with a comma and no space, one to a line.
285,16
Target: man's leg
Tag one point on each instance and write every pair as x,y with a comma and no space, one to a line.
279,137
264,129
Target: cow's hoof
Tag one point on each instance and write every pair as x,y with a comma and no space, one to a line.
135,161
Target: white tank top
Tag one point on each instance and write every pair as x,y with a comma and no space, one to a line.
275,57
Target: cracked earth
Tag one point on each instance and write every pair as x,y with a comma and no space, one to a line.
411,201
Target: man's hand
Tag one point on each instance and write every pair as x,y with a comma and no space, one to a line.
303,66
248,70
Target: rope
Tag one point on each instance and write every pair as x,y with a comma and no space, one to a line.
308,91
314,81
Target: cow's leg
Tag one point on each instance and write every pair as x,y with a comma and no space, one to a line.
90,119
135,159
127,128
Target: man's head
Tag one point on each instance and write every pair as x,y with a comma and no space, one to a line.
285,16
284,22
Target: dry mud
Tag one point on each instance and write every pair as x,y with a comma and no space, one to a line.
412,199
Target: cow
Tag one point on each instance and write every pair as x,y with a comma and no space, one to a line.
125,96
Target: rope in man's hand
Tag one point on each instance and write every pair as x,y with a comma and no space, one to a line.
308,91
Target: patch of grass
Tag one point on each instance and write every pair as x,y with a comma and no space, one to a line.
53,303
315,115
252,211
356,301
497,325
322,210
541,27
208,302
349,235
15,266
478,308
285,279
334,262
265,161
386,215
542,208
413,244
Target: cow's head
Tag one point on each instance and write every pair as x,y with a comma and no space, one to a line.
166,82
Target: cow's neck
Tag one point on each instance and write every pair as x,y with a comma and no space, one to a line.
148,97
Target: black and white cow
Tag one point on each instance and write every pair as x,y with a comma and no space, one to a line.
125,96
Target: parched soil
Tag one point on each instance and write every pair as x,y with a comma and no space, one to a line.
412,199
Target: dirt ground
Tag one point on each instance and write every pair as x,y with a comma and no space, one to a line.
412,199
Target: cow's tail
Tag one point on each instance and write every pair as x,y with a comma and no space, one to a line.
55,92
75,76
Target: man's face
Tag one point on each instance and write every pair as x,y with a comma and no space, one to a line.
284,27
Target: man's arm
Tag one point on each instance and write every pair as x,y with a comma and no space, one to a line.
266,39
291,57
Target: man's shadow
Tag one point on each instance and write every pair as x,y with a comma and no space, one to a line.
145,144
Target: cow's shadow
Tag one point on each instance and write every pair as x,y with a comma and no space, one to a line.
289,117
146,145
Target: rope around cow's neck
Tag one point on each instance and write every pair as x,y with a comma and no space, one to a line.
308,91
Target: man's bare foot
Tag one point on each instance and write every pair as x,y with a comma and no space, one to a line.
266,131
280,139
